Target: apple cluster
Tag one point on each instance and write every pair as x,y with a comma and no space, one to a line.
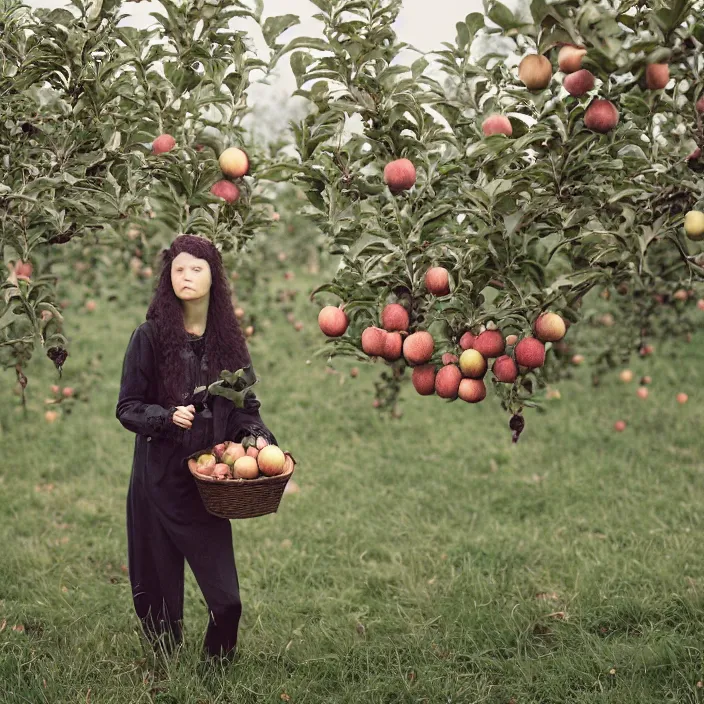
233,162
460,376
535,72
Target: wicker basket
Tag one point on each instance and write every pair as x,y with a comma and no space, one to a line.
242,498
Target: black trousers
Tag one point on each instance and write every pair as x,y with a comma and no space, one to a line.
157,548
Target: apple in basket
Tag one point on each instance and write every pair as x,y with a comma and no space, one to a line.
245,468
222,471
218,450
271,460
205,464
232,453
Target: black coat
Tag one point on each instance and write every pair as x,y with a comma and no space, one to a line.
159,466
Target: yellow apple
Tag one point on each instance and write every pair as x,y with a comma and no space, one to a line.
234,162
473,364
694,225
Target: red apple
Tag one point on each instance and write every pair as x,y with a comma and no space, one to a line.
226,190
535,71
373,341
394,317
393,346
549,327
472,390
467,341
163,143
601,116
657,76
423,379
23,270
497,124
333,321
505,369
437,281
579,83
400,175
530,352
569,58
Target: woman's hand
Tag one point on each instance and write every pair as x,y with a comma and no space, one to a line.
183,416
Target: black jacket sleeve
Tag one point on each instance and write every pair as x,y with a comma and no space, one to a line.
138,374
247,421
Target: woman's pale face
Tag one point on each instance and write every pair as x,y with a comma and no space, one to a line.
190,277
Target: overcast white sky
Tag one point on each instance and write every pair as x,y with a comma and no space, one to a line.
424,25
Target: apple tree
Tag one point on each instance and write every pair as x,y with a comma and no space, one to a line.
528,195
106,131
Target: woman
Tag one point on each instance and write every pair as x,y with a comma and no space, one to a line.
191,334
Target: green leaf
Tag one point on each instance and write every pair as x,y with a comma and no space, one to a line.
388,76
627,193
418,66
304,43
9,316
474,22
274,26
234,386
425,221
497,186
501,15
463,38
333,288
300,61
673,15
55,17
698,32
539,11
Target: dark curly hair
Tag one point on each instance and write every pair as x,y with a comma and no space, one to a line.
225,344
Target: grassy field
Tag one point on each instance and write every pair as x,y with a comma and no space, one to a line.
425,559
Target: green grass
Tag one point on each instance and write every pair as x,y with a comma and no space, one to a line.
409,566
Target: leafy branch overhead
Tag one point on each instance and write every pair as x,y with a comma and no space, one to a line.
528,171
105,128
